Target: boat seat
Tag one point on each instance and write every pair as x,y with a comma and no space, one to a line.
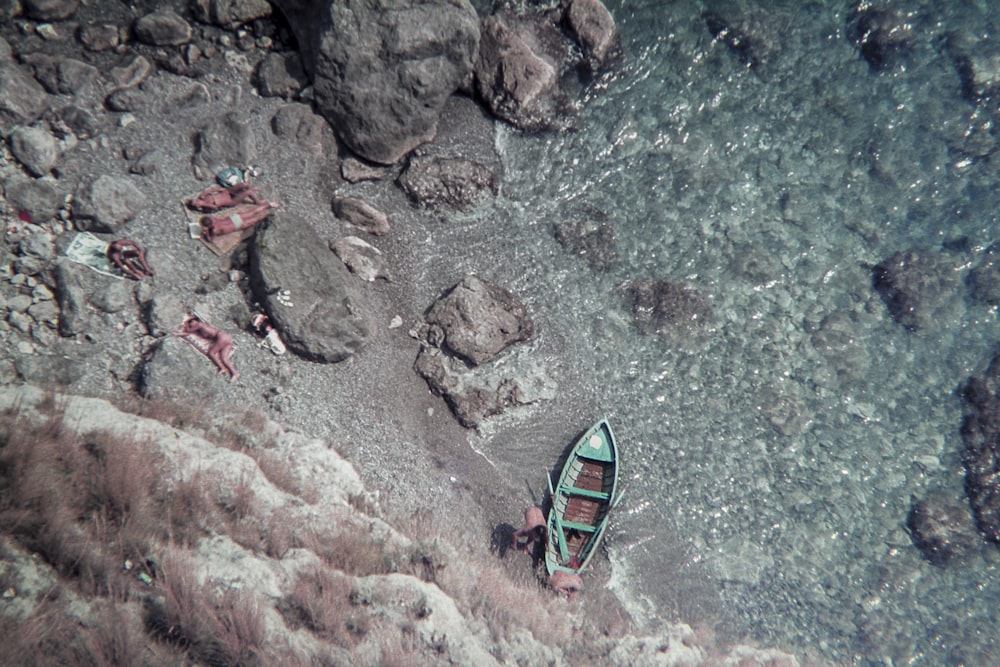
582,527
587,493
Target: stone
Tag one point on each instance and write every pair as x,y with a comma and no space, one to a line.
281,75
517,82
307,291
162,28
35,148
747,33
74,313
457,182
983,280
980,431
383,70
361,214
49,10
355,171
941,528
99,37
61,75
362,258
38,198
229,13
595,31
226,142
298,123
106,203
22,99
176,371
478,320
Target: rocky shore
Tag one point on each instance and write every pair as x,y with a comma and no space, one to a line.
367,127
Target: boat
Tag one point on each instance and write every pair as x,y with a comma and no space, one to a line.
582,500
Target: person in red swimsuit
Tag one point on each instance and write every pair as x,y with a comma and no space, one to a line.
242,218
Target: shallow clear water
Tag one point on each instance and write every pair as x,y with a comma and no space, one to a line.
778,475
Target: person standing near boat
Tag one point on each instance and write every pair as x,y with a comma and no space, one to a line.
532,532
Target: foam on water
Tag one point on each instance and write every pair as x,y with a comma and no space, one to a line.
782,469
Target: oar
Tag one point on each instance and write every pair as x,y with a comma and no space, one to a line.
560,537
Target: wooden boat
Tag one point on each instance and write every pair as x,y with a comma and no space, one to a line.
582,500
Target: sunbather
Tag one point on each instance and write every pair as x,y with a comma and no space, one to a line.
129,257
220,344
244,218
215,198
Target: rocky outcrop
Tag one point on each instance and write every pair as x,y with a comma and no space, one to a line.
454,182
981,454
307,291
382,71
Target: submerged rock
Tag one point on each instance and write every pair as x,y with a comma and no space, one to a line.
941,528
917,286
981,454
882,35
674,311
595,242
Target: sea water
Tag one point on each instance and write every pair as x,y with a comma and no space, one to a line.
769,471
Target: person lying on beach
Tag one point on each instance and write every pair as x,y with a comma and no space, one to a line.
532,532
219,225
129,257
215,198
220,344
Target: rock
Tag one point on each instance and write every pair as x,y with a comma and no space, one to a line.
381,77
281,75
916,285
83,123
981,453
50,369
39,198
475,395
363,259
595,242
478,320
289,264
162,28
106,203
595,31
882,35
35,148
457,182
49,10
354,171
298,123
100,37
176,371
229,13
133,74
941,528
747,33
74,314
163,314
226,142
148,164
361,214
983,281
674,311
62,76
37,243
516,80
22,99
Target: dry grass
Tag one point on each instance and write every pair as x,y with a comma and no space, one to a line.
350,548
321,603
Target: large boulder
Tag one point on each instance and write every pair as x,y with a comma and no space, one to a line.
477,320
107,203
383,69
467,327
307,291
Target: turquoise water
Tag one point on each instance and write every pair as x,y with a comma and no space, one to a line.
773,470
